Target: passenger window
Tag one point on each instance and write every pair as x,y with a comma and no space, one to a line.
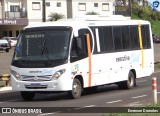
134,37
117,38
108,40
125,37
148,36
143,34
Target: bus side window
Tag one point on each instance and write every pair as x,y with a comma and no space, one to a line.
134,37
78,50
79,46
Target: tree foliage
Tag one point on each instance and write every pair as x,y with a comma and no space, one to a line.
145,12
55,16
92,13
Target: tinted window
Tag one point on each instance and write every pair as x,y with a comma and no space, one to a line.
144,39
79,45
108,40
125,37
117,38
134,37
148,36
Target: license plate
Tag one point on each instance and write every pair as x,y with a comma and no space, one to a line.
35,84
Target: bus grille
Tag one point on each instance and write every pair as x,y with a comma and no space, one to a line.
36,78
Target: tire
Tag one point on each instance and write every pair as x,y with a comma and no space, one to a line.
130,83
7,50
76,89
27,96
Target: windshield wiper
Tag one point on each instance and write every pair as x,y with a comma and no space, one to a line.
20,61
45,50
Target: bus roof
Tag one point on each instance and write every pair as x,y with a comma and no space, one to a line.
94,20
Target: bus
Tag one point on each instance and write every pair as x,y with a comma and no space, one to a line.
80,54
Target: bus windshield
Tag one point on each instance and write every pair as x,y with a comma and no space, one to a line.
42,47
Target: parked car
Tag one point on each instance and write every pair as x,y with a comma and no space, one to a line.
12,40
156,38
4,45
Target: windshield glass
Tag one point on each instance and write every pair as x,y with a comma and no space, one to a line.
42,47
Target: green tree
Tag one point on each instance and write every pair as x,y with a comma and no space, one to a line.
55,16
92,13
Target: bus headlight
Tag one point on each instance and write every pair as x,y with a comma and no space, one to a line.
58,74
16,75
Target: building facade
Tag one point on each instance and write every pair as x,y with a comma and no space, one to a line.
16,14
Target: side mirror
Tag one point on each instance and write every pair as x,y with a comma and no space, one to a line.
79,42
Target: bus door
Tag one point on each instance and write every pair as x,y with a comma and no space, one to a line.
80,56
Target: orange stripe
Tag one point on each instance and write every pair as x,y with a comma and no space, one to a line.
89,59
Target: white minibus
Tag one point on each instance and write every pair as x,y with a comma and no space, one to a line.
81,54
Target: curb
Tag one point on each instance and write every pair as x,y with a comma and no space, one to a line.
5,89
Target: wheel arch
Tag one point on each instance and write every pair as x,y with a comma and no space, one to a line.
80,78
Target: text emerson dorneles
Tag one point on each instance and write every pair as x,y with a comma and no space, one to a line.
143,110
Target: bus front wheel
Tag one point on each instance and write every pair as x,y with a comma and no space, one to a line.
76,89
26,95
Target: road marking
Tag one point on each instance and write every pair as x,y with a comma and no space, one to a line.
49,113
114,101
85,107
139,96
134,104
78,108
89,106
141,81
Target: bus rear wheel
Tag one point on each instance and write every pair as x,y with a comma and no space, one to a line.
76,89
26,95
128,84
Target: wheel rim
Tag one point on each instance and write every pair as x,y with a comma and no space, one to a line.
76,89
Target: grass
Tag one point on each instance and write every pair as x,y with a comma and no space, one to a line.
157,66
155,27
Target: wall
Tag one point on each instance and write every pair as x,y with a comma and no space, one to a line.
90,7
35,16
